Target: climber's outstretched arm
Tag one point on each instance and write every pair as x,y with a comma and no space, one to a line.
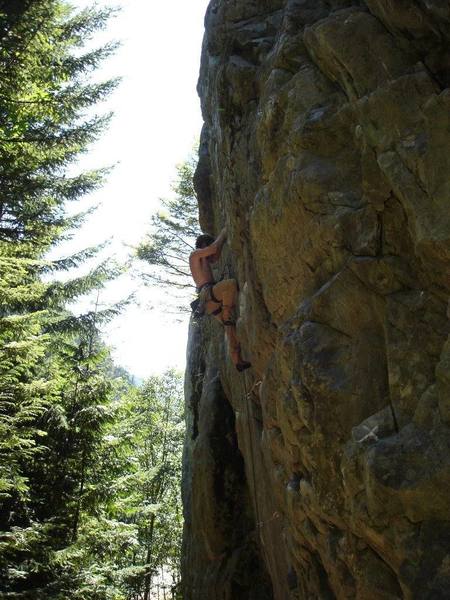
219,242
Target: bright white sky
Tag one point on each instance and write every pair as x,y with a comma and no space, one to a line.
157,120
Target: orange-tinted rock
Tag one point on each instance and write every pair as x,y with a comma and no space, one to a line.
326,153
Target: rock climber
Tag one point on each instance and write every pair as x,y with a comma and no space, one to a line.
217,299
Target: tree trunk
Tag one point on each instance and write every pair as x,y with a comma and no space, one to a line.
148,575
78,509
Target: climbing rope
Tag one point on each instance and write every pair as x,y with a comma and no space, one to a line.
259,523
276,515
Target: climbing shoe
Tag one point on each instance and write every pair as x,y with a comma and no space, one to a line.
243,365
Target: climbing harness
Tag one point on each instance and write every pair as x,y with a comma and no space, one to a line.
205,294
208,287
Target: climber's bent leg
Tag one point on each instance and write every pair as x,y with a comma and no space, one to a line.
235,348
226,292
224,296
233,343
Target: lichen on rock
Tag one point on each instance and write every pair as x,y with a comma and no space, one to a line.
324,472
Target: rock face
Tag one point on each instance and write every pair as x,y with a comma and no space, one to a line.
324,472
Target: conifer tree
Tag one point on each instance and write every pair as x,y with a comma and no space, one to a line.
133,529
44,99
167,245
149,437
89,466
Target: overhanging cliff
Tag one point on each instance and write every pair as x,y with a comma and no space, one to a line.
324,472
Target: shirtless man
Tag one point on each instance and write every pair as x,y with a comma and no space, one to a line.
218,299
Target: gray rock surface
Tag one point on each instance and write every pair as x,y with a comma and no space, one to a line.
324,472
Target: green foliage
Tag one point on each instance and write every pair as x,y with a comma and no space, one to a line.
149,492
130,526
89,464
43,101
54,396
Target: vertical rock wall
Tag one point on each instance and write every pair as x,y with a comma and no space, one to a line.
325,471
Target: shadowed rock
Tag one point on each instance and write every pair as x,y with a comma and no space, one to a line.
323,472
